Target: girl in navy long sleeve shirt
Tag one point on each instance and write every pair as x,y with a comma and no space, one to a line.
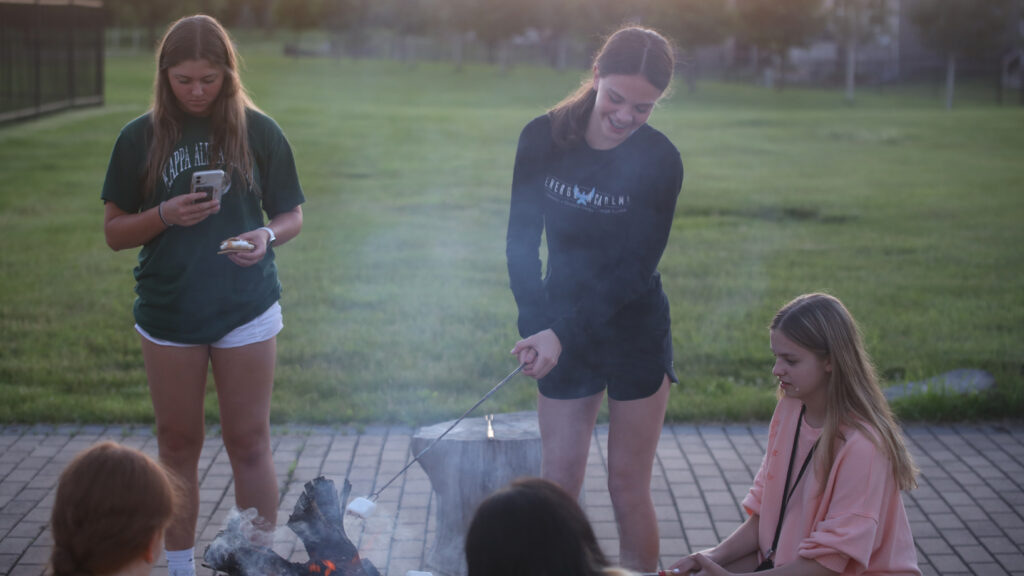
601,186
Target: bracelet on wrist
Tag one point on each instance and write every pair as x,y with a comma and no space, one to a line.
271,237
160,213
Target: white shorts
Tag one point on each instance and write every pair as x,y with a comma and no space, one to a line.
263,327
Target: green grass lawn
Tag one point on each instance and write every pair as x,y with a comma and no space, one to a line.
396,300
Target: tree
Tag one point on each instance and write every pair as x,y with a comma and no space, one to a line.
123,14
231,13
408,18
347,16
495,23
299,15
776,26
558,21
602,17
960,29
855,23
451,18
152,15
692,24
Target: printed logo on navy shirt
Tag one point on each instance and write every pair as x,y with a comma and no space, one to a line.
589,199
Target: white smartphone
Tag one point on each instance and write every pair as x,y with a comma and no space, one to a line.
213,183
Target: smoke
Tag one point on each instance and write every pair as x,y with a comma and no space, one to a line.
244,546
237,531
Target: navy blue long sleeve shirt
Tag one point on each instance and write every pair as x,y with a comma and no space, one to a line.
606,217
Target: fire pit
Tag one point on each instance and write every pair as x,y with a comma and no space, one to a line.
317,520
477,457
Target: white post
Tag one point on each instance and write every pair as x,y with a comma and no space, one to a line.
950,80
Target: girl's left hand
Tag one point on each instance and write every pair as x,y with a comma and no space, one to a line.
246,259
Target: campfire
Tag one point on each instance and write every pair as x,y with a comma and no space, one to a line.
317,520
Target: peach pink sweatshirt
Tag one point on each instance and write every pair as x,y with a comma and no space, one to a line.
856,526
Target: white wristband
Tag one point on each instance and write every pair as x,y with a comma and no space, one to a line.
273,237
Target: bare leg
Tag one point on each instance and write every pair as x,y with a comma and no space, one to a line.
633,432
245,379
177,385
565,430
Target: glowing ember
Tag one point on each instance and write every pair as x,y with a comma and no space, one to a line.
326,567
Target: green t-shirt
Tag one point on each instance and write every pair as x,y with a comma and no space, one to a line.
187,292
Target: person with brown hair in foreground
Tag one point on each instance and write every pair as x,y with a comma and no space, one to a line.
112,506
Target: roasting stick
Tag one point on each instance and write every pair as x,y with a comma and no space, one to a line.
363,507
672,572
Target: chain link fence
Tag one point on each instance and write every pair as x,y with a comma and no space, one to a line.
51,56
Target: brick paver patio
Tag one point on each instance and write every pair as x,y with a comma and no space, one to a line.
967,514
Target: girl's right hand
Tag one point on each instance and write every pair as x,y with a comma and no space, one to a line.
538,353
188,209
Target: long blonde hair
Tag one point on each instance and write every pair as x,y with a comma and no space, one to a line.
821,324
199,37
630,50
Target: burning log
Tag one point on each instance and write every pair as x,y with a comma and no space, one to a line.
317,520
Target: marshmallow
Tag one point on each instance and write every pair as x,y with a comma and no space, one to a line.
361,507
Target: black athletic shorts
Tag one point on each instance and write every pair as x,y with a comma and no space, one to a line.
629,372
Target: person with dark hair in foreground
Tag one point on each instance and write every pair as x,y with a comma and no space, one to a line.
532,527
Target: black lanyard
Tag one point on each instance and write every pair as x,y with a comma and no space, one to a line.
787,492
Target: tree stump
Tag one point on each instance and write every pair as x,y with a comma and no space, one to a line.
465,467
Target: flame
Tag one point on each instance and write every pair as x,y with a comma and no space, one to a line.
327,568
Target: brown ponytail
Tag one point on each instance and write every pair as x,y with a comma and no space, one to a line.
630,50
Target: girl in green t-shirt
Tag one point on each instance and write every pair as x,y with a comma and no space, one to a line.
197,307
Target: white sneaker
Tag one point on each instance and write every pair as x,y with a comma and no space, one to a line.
181,571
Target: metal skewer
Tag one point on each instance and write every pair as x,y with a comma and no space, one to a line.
373,497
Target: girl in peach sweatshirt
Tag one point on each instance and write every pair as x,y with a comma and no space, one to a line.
827,497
